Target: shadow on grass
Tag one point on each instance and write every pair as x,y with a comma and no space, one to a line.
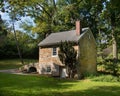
95,91
16,85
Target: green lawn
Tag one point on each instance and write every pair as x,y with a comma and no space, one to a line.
36,85
13,63
26,85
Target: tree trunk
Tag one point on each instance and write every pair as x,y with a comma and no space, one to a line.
114,42
17,44
115,54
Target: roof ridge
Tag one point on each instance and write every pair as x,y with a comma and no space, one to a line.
68,30
61,32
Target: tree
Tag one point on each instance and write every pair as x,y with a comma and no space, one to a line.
3,30
111,16
17,43
15,9
58,15
15,17
8,49
49,15
67,55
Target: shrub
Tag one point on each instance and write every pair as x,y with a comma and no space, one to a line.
89,75
106,78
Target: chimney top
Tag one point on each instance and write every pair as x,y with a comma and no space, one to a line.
78,28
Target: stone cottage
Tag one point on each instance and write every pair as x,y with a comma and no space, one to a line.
85,46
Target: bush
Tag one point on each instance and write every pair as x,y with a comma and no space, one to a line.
106,78
90,75
109,65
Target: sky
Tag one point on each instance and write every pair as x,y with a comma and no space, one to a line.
5,17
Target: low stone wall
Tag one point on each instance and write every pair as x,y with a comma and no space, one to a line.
25,68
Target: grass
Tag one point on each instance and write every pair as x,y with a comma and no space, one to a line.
13,63
36,85
26,85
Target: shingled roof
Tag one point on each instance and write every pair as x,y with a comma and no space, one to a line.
56,38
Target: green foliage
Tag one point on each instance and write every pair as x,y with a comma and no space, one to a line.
112,67
67,55
28,46
89,75
106,64
106,78
3,31
111,18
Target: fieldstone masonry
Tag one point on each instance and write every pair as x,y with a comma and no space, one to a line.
26,68
47,60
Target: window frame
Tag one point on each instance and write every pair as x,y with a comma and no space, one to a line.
54,51
48,69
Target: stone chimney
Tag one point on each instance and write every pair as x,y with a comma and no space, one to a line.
78,28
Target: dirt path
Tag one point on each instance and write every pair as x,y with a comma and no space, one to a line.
11,71
15,71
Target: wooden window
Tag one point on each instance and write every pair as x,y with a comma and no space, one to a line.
54,51
48,69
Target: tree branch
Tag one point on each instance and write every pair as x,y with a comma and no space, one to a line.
44,9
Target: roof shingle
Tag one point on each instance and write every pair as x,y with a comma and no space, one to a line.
55,38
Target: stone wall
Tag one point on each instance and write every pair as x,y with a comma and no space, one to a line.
47,60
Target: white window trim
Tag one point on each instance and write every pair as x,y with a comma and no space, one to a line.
56,52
